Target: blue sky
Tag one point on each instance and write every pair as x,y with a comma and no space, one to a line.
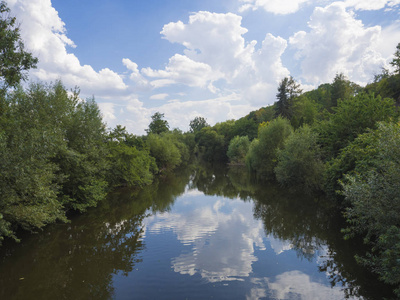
216,59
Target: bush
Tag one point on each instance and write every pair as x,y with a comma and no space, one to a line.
237,150
261,157
299,163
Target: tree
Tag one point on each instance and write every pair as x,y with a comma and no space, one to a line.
396,60
158,125
352,117
288,89
14,60
342,89
197,124
299,162
373,192
238,148
261,157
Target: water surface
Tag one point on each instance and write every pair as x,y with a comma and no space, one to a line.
204,234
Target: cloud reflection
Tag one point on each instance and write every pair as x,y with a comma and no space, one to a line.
223,235
293,285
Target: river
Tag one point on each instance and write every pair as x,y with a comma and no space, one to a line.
202,233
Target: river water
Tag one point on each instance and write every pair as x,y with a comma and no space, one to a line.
198,234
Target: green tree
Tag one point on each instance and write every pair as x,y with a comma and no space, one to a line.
352,117
261,157
129,166
396,60
212,145
373,192
238,148
14,60
299,161
158,125
288,89
165,152
342,89
197,124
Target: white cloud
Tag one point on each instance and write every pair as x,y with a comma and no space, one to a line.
45,36
337,42
371,4
284,7
183,70
218,58
135,76
108,112
279,7
159,97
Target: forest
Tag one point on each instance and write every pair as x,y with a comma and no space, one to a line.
340,139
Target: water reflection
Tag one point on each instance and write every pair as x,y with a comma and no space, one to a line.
78,260
221,233
292,285
241,240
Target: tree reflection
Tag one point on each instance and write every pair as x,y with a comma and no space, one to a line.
309,223
78,260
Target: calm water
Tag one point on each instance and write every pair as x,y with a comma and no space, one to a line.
200,235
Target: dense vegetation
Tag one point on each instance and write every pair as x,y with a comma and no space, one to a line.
340,139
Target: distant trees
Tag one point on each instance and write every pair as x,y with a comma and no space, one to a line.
158,125
197,124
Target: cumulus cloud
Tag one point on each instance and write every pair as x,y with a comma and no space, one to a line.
44,34
135,76
183,70
218,58
279,7
337,42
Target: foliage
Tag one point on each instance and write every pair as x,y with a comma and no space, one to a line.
342,89
299,161
14,60
129,166
237,150
197,124
375,202
288,89
396,60
353,117
211,145
245,127
158,125
305,112
165,151
261,157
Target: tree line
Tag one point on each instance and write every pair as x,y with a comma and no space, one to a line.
342,140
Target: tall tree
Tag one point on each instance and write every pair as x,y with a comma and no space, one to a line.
396,60
197,124
288,89
342,89
14,60
158,125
